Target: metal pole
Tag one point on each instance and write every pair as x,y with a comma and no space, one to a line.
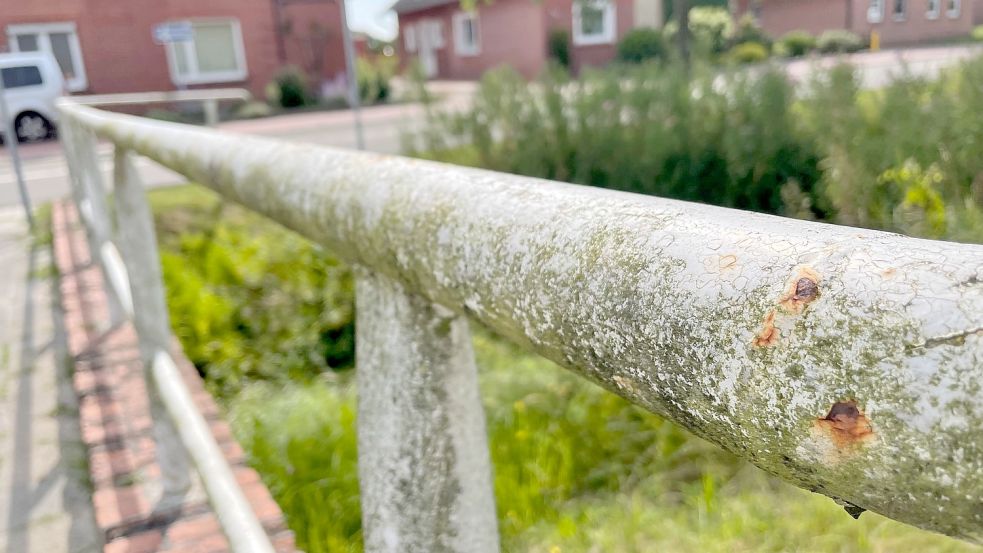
10,137
351,76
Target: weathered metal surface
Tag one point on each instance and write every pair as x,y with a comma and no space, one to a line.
424,468
864,384
138,245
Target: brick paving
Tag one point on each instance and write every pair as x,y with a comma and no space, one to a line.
116,426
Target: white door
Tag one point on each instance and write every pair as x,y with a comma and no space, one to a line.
430,32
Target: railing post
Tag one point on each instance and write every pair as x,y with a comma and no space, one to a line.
90,198
424,468
138,245
211,112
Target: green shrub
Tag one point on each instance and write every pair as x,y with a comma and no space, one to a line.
375,78
977,33
748,30
249,299
839,41
642,44
558,46
289,88
748,52
796,43
710,29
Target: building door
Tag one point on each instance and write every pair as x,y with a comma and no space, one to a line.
431,35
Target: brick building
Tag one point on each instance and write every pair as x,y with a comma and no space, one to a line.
896,21
106,46
451,43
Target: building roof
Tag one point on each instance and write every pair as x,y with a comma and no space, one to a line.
408,6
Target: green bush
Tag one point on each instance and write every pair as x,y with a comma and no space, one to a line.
642,44
710,29
748,30
977,33
796,43
375,78
558,45
642,128
250,300
748,52
839,41
289,88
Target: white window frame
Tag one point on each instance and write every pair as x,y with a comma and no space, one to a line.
953,9
875,11
904,12
609,30
409,38
43,31
460,48
197,77
934,8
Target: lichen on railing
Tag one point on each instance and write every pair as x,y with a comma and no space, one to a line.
846,361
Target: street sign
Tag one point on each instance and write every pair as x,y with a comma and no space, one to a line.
173,31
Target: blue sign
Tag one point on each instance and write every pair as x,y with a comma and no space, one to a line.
173,31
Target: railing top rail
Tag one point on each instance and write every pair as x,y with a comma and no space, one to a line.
162,97
847,361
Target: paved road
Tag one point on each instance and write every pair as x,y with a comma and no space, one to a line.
47,175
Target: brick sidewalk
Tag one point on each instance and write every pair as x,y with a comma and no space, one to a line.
116,426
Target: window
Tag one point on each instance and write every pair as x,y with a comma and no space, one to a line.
467,37
16,77
214,54
899,10
409,39
952,8
593,22
58,39
875,11
933,9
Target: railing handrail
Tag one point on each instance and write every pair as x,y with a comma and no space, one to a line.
845,361
209,98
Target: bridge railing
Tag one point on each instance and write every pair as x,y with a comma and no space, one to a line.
848,362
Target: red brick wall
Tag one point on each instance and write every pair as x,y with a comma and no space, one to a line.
511,32
559,15
780,16
916,27
515,32
119,52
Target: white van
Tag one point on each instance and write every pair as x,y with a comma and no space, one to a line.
32,82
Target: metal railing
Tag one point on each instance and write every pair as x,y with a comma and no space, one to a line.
848,362
209,99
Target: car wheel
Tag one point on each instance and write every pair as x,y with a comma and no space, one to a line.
32,127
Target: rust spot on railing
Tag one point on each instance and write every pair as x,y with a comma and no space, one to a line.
768,335
802,290
845,425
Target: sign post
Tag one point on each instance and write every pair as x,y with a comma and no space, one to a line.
351,76
10,140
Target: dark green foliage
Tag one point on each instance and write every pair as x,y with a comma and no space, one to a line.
839,41
558,46
642,44
645,129
290,88
249,299
796,43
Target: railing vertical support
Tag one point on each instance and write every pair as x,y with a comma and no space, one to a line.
90,197
138,245
424,467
